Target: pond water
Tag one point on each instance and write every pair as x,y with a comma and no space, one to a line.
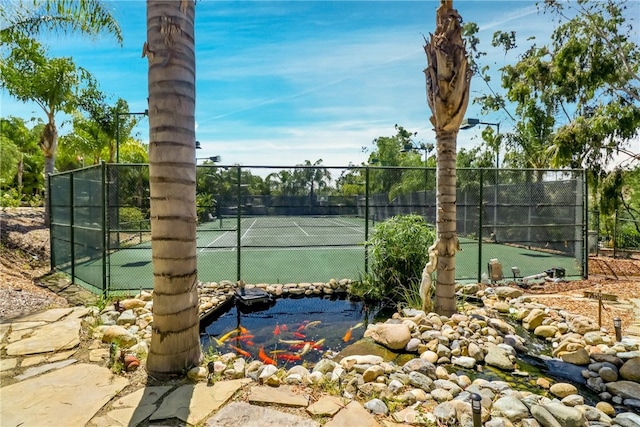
289,330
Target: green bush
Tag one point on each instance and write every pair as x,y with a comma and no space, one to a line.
397,256
133,218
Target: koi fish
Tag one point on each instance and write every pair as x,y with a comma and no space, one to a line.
245,337
301,327
276,331
284,328
299,335
243,330
305,349
319,343
358,326
289,357
227,336
312,324
240,351
248,342
291,342
347,335
277,351
265,359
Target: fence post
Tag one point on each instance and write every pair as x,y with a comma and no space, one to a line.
366,220
480,211
106,281
615,233
72,234
239,236
50,213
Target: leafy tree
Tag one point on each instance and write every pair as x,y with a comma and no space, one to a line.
448,76
52,83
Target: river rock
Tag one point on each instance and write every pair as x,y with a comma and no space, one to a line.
510,407
464,361
420,380
120,335
391,335
376,407
578,357
498,357
582,324
604,357
624,389
563,389
565,415
420,365
631,370
608,374
544,417
546,331
371,373
534,319
507,292
627,419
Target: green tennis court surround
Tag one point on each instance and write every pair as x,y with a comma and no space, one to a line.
310,224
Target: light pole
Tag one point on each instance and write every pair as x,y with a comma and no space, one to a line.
468,124
144,113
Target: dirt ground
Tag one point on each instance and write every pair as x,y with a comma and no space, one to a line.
24,261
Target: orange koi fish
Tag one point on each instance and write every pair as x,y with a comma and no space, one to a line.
243,330
240,351
347,336
289,357
299,335
245,337
249,342
265,359
276,331
284,328
301,327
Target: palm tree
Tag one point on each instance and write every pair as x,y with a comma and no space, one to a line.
170,49
448,76
29,18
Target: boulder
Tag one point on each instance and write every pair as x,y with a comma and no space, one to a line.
631,370
391,335
498,357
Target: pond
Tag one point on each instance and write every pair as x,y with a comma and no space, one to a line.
288,330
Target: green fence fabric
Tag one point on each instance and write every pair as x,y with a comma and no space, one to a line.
266,224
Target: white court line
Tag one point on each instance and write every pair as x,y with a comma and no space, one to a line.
305,233
248,229
358,229
210,244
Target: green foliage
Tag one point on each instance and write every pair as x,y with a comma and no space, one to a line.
9,161
10,198
397,256
133,218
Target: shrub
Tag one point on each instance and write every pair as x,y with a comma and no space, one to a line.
132,218
397,256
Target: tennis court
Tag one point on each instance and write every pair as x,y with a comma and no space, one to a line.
308,249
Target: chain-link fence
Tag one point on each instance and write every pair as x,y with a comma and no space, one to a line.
311,223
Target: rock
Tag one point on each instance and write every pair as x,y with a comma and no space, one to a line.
573,400
464,361
627,419
391,335
420,365
412,345
429,356
611,358
546,331
372,373
533,319
441,395
420,380
119,335
544,417
608,374
126,317
563,389
631,370
132,303
624,389
510,407
606,408
507,292
582,324
565,415
498,357
376,407
578,357
199,373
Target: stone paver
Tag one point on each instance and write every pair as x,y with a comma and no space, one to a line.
52,315
132,409
37,370
21,326
327,406
8,364
32,360
283,395
353,415
193,403
4,328
67,397
241,414
57,336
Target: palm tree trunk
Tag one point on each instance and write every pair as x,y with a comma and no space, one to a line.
170,48
448,77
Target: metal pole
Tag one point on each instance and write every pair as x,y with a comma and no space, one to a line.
239,237
71,228
106,280
366,220
480,219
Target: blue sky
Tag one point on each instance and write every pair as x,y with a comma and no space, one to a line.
279,83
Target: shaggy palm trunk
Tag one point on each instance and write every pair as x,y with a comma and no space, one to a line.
448,77
49,146
170,49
